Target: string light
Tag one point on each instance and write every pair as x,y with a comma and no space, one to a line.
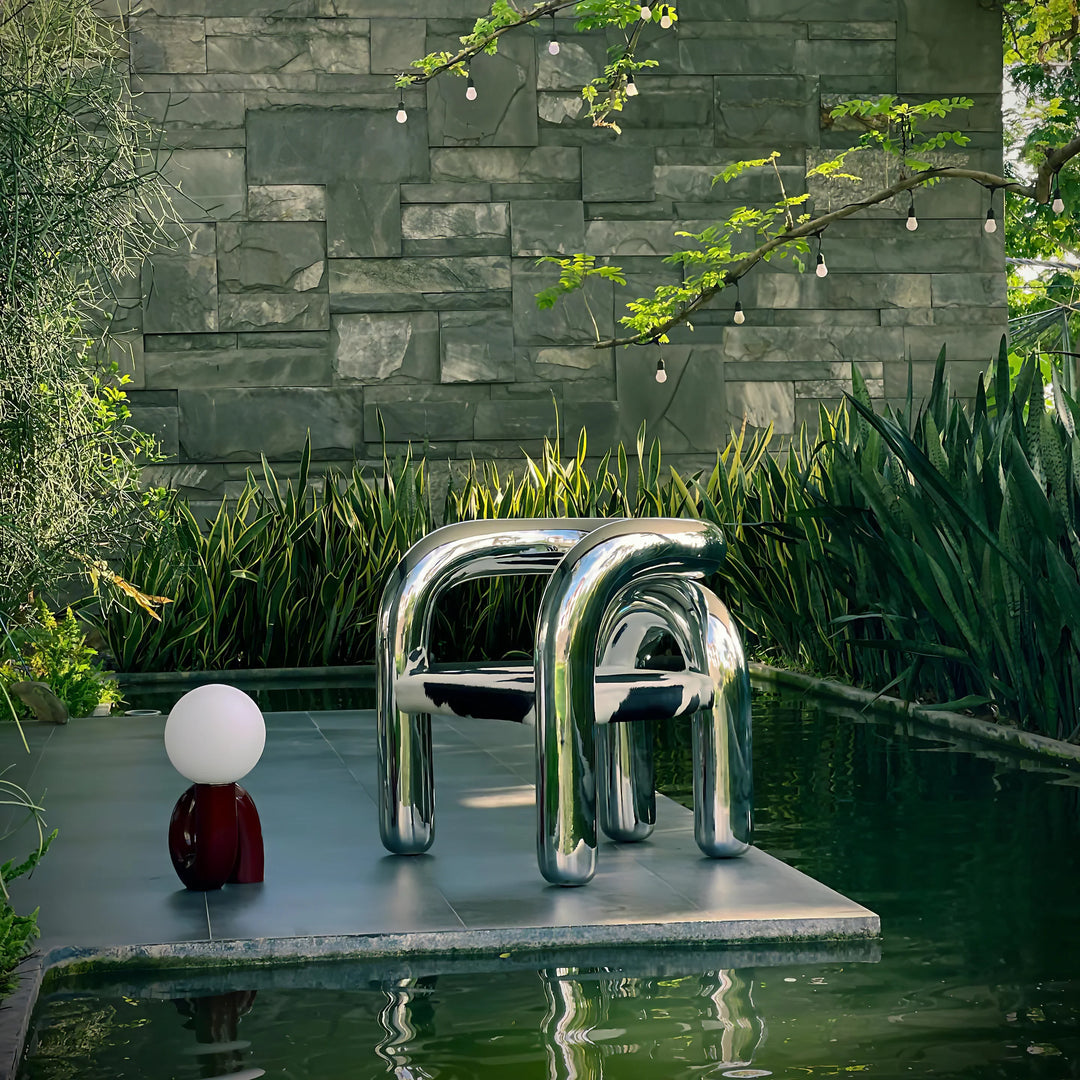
661,371
821,269
646,12
665,18
1058,205
912,220
740,316
470,90
553,44
402,115
631,86
991,222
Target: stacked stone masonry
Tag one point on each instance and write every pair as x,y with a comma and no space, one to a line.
337,265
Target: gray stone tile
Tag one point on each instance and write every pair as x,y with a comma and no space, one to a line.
207,185
617,174
928,61
287,202
159,45
476,346
547,228
274,311
247,45
396,43
375,347
570,321
762,110
363,219
270,257
507,165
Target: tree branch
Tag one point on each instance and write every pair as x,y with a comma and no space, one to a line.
537,13
1039,192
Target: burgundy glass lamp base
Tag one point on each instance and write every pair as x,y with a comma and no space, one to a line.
215,837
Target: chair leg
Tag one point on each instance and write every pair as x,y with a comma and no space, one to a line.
626,780
407,780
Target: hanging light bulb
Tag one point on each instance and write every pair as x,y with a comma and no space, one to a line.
991,222
553,44
470,90
1058,205
912,221
821,270
661,371
739,317
646,12
665,18
631,86
402,115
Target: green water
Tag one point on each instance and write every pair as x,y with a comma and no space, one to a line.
971,859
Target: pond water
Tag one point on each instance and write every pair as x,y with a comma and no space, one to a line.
971,858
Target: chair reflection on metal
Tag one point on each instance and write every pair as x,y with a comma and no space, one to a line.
616,587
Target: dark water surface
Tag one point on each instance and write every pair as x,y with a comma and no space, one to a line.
971,858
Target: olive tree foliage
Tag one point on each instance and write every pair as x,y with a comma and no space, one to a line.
722,254
81,203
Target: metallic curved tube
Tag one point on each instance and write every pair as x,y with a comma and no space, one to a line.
722,748
445,557
589,578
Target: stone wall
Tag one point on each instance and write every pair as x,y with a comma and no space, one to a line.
337,263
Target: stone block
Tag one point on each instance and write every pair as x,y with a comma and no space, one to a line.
579,60
477,346
363,220
167,45
853,57
598,419
730,48
695,183
287,202
239,424
515,419
968,290
822,10
376,347
445,221
861,31
270,257
928,58
760,404
410,284
639,237
884,246
838,292
547,228
963,376
686,413
188,342
767,345
422,421
766,111
161,423
504,112
559,364
208,185
968,344
182,114
617,174
258,363
825,317
274,311
507,165
445,193
315,146
395,44
258,45
570,321
180,286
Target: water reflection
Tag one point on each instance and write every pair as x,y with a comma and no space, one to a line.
705,1022
215,1019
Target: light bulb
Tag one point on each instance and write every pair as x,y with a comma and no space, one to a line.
402,115
470,90
631,86
822,270
665,18
912,220
661,371
1058,205
553,47
739,317
991,222
646,12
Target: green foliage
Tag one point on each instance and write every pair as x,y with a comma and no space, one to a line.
79,203
17,932
54,651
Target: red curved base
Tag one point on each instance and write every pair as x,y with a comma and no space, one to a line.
215,837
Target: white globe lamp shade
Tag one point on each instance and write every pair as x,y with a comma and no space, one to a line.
215,734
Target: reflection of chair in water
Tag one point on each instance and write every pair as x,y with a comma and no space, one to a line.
614,587
596,1015
404,1017
215,1019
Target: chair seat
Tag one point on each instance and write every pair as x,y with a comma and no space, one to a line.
508,692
